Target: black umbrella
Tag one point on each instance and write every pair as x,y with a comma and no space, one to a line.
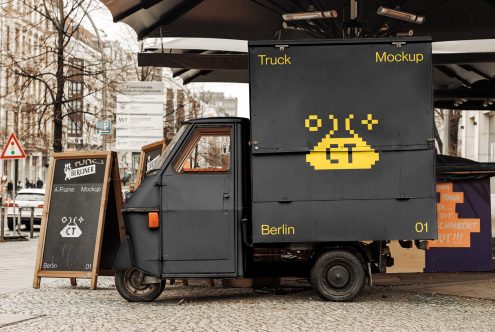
263,19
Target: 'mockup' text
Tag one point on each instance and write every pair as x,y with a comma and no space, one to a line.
399,57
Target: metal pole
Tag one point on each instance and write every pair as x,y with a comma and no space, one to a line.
3,217
1,67
31,223
14,181
14,221
104,74
17,216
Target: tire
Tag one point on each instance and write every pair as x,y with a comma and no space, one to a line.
27,225
130,287
338,275
162,287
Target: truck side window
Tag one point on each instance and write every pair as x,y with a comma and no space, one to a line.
207,151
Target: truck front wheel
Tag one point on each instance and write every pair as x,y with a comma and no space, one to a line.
338,275
130,285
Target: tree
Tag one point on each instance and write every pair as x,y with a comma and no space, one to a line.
53,63
452,117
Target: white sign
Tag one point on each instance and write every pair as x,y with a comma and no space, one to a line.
140,109
152,163
78,172
12,149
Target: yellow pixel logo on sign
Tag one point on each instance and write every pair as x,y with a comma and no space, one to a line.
348,152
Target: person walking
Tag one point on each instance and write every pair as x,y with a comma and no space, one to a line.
10,188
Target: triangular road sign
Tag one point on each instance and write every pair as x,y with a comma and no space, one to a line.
12,149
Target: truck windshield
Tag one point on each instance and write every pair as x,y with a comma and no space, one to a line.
167,151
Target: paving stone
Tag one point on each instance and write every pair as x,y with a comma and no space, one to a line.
201,308
57,306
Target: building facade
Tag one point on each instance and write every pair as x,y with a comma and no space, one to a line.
477,135
219,103
29,75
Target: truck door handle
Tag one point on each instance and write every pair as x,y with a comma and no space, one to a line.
284,201
226,195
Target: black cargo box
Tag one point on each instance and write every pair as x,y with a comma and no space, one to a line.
342,140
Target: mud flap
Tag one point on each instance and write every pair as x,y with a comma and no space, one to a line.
124,258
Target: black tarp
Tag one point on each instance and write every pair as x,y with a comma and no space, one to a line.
449,168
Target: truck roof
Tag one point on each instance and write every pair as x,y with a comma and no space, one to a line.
224,119
307,42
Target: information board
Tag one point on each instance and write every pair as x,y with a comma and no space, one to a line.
139,118
150,154
464,228
76,208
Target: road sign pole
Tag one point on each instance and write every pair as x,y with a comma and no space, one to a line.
14,189
31,224
3,217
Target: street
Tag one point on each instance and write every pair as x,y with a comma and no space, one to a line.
247,165
58,306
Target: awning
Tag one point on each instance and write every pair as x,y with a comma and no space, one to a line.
262,19
463,72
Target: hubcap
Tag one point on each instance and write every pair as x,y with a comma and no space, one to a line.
134,282
338,276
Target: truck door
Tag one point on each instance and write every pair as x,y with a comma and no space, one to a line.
198,216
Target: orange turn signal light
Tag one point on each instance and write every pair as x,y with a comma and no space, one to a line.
153,220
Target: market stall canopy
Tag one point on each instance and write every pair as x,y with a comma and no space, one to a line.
449,168
262,19
464,74
198,59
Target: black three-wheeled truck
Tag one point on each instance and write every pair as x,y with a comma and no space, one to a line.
337,159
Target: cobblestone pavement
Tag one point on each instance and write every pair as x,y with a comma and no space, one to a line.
58,307
17,264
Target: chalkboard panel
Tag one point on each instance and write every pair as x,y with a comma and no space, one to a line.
114,231
150,154
80,198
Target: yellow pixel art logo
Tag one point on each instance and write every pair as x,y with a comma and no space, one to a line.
349,151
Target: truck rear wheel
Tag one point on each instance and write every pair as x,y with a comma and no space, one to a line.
129,283
338,275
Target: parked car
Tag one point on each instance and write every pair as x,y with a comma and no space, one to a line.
25,199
